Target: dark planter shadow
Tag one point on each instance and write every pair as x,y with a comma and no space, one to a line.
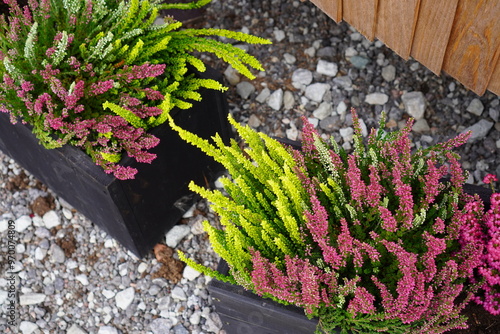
136,212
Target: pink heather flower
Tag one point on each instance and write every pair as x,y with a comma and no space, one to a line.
50,52
15,26
490,178
74,63
374,190
354,181
362,302
432,185
143,71
27,86
100,87
439,225
389,223
27,18
153,94
308,133
403,191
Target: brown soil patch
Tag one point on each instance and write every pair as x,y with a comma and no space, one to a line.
41,205
171,268
68,243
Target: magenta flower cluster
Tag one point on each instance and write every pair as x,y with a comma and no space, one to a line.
389,239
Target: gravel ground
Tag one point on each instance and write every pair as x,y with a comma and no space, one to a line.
73,278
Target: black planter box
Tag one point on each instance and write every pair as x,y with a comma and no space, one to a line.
243,312
136,212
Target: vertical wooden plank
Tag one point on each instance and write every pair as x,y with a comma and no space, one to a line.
362,15
332,8
474,45
435,20
396,21
494,84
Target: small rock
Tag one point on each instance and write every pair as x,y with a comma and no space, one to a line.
316,91
31,298
480,129
4,225
56,254
3,296
254,121
213,323
289,58
356,36
347,134
323,111
263,95
178,294
107,330
22,223
75,329
476,107
124,298
27,327
376,98
82,278
292,133
276,99
311,52
313,121
279,35
161,326
288,100
326,52
195,318
331,123
343,81
350,52
245,89
327,68
108,293
414,104
232,75
67,213
421,126
301,76
190,273
179,329
341,108
494,114
389,73
359,61
51,219
176,234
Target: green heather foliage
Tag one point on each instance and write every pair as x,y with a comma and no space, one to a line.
368,241
99,74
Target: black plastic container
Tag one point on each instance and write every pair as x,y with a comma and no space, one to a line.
136,212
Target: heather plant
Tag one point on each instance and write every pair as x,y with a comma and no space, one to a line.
99,74
367,242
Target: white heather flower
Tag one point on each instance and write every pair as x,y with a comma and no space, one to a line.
30,42
61,47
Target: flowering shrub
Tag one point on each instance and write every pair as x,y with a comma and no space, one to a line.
98,74
368,242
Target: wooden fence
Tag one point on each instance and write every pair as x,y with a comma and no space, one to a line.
460,37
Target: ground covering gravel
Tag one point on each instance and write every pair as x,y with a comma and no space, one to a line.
75,279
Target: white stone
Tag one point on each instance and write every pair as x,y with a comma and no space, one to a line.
494,114
313,121
161,326
376,98
263,95
311,52
109,243
124,298
476,107
82,278
279,35
195,318
176,234
31,298
190,273
178,294
3,296
480,129
254,121
232,75
27,327
56,254
142,267
364,129
421,126
245,89
323,111
350,52
289,58
51,219
276,99
414,104
288,100
75,329
108,293
67,213
301,76
293,132
4,225
341,108
389,73
316,91
327,68
107,330
347,134
20,248
22,223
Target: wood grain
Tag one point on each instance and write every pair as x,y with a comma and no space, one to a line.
434,24
474,46
332,8
362,15
494,84
396,24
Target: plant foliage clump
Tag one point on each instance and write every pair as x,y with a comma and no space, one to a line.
369,241
99,74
